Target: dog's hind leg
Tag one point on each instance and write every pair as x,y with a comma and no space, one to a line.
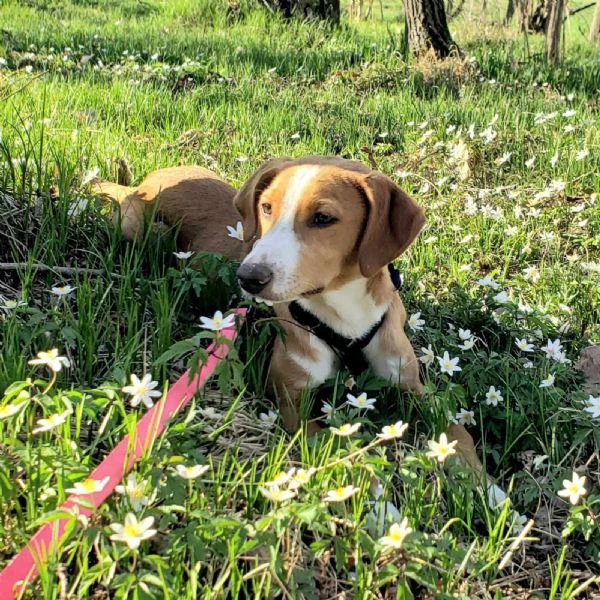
129,215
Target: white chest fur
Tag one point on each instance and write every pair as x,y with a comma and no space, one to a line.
350,311
322,366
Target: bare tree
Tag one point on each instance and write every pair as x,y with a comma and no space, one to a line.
595,28
553,29
453,11
521,7
355,9
427,28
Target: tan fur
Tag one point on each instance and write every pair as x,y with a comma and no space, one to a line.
193,198
395,341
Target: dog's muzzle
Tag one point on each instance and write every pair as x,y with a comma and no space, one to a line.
254,277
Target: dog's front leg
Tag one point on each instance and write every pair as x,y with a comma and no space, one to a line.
300,362
409,380
394,348
286,389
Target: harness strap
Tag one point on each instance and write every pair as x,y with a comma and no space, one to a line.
396,276
349,350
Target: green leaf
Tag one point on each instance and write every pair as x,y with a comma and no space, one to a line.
177,350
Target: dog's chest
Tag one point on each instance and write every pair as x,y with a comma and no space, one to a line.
324,363
321,365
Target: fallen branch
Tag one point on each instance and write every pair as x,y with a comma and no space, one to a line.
59,270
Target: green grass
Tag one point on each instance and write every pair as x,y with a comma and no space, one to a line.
256,83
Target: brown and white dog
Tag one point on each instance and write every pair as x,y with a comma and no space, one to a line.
323,231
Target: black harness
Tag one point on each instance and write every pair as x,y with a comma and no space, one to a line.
349,350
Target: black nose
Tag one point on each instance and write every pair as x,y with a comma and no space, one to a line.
254,278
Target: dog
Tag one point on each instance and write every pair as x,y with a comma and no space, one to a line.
324,231
319,236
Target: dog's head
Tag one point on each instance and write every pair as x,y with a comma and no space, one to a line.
317,220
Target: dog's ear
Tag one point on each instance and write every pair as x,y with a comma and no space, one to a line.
393,222
247,198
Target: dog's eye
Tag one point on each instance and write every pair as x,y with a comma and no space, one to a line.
266,208
322,220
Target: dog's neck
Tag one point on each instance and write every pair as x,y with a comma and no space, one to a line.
352,308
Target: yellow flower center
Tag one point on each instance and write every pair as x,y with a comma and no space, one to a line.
573,487
136,492
88,485
396,536
132,530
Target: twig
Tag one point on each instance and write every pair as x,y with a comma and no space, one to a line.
574,11
59,270
26,84
584,586
521,537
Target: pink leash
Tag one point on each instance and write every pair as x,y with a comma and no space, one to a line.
23,568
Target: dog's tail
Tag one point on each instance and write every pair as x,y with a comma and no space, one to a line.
130,212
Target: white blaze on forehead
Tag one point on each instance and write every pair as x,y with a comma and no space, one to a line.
280,248
294,191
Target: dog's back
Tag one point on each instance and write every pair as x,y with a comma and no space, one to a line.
193,198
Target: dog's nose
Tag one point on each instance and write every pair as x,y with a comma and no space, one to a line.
254,278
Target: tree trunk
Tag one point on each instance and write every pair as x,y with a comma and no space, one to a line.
330,9
510,11
323,9
523,6
453,12
538,20
428,27
555,19
595,28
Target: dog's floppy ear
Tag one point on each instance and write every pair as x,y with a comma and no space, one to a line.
393,222
247,198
